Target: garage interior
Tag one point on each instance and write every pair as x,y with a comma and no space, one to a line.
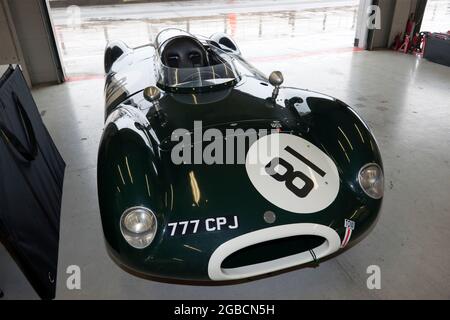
323,46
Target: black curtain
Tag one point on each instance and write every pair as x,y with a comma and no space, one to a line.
31,181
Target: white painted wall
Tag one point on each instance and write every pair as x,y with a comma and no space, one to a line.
10,49
8,53
32,44
361,25
387,10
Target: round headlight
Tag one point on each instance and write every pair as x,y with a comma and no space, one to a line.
138,226
371,180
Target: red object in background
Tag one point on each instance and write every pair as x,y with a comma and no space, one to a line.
415,44
405,46
419,42
397,42
232,21
410,26
410,40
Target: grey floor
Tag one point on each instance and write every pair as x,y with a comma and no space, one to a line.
404,100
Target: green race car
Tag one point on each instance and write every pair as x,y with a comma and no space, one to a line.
208,170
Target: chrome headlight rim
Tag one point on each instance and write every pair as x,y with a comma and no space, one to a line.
364,167
147,235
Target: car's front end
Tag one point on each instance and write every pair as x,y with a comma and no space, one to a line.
233,182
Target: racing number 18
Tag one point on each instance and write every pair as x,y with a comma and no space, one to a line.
289,176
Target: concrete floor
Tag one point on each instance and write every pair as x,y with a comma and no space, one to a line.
405,101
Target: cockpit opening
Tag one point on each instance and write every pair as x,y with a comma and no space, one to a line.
187,64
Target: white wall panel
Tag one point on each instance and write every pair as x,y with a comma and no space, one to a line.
34,34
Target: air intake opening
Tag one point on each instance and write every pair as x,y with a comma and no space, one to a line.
272,250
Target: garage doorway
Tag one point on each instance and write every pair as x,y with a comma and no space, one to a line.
83,27
437,16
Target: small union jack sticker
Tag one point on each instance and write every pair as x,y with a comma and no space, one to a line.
349,227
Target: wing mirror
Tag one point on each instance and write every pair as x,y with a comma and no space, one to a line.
276,79
153,94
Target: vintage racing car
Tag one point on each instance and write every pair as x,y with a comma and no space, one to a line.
209,170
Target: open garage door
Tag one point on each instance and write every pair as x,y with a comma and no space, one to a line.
437,16
83,27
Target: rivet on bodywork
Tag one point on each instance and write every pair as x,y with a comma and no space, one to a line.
269,217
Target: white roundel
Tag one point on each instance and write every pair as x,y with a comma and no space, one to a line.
292,173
